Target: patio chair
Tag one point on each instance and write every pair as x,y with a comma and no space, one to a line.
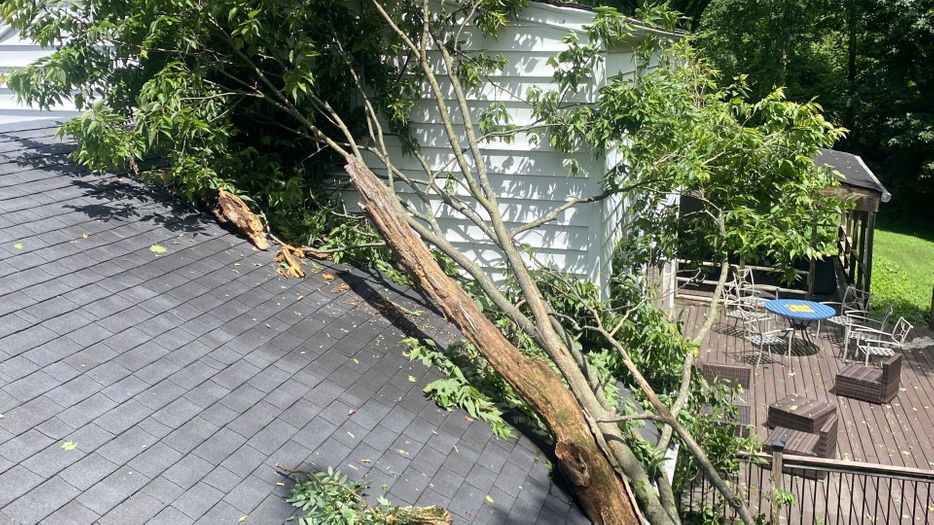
735,308
747,291
872,342
858,322
869,383
854,301
758,332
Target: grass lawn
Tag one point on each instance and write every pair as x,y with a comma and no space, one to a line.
903,270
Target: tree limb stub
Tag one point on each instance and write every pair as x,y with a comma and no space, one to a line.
602,493
231,208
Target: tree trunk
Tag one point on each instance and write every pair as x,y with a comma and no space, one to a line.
602,494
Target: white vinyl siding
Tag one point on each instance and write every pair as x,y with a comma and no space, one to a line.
530,179
16,53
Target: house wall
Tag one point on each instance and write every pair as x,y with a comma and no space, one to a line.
14,54
530,178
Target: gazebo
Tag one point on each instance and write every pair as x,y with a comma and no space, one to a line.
858,224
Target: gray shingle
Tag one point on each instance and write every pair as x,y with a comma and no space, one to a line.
41,501
112,347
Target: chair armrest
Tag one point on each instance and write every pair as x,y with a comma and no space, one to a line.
860,320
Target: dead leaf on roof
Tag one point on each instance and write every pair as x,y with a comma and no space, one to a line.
341,288
18,245
157,249
69,445
242,518
327,276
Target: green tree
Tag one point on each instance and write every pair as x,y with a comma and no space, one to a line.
264,98
866,61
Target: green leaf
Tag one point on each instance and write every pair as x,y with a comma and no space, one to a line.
18,245
157,249
69,445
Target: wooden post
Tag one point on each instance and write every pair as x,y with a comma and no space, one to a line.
931,322
861,275
867,264
812,264
778,447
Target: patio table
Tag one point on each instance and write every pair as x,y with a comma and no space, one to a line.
800,315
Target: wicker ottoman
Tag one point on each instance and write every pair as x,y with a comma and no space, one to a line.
822,444
799,413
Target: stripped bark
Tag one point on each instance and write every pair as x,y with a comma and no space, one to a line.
601,491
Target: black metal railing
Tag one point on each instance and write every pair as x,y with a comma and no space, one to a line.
818,491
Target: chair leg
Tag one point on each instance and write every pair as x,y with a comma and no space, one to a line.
846,342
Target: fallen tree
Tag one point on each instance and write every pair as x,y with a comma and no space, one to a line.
237,96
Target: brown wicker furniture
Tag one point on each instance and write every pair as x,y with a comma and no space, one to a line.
799,413
822,444
869,383
731,375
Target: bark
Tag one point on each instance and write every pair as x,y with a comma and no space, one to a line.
231,209
601,492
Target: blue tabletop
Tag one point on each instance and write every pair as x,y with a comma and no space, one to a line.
799,309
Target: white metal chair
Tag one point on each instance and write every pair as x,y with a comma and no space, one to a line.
758,332
858,323
854,301
747,291
735,308
873,342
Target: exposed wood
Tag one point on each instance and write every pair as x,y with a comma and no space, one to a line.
231,208
288,265
601,492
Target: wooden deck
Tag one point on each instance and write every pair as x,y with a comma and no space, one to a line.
899,434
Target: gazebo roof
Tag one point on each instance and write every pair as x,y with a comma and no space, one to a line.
855,172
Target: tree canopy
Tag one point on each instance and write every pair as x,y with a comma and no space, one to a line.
866,61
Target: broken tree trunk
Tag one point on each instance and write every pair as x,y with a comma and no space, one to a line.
599,489
231,208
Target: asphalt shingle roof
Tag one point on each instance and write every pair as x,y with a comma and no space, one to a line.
854,170
184,378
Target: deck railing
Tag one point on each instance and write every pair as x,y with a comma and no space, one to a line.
818,491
